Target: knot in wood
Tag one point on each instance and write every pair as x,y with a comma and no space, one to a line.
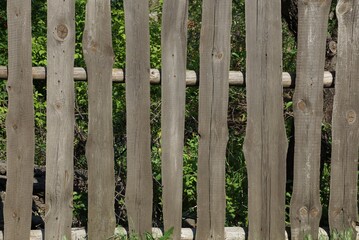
217,54
343,7
302,106
336,212
351,116
314,212
58,105
14,216
17,12
62,31
303,212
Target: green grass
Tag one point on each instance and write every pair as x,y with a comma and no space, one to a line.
348,234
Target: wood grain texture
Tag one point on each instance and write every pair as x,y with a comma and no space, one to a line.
139,173
60,119
343,208
213,107
174,56
99,57
20,145
305,211
265,145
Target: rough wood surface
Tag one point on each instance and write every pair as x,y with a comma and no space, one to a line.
60,119
213,107
174,56
139,173
305,211
343,210
99,57
20,145
265,145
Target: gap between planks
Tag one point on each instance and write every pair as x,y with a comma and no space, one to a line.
232,233
236,78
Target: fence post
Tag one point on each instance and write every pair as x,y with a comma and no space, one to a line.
213,106
306,210
99,57
174,56
265,145
20,146
139,173
345,139
60,118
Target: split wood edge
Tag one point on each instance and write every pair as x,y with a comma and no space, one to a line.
236,78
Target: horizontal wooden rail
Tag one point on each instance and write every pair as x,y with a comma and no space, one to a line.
232,233
236,78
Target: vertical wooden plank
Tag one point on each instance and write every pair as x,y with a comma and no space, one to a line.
98,52
265,146
174,56
213,107
60,118
344,177
20,133
139,173
308,112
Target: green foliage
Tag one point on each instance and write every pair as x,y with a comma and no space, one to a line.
289,50
40,124
118,33
39,30
3,111
3,34
190,157
238,41
348,234
80,208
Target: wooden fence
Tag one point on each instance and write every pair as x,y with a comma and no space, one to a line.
265,143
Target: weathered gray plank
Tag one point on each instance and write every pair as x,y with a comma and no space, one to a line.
99,57
60,118
308,112
343,209
20,145
139,172
174,56
213,107
265,145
